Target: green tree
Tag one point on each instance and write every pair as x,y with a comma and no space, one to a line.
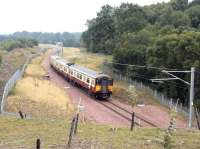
129,18
194,14
176,18
180,19
100,34
179,4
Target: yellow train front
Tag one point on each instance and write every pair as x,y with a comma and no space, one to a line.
103,86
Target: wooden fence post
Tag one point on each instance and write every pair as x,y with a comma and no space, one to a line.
38,143
197,117
133,121
76,124
71,132
21,114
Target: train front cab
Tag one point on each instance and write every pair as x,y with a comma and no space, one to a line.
104,87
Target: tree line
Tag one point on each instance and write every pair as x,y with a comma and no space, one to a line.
10,44
162,35
68,39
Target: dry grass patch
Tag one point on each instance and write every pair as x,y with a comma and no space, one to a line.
83,58
122,91
34,67
39,98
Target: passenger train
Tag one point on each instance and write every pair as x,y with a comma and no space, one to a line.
98,84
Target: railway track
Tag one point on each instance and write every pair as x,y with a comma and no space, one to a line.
121,111
128,118
136,115
124,113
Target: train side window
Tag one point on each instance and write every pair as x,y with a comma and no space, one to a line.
92,82
98,81
81,76
88,80
84,78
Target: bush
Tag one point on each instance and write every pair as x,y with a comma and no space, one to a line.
11,44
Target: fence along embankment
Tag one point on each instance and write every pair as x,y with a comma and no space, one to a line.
9,84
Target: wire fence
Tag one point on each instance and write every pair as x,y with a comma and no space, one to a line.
160,97
12,81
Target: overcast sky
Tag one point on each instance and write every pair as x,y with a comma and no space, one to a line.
53,15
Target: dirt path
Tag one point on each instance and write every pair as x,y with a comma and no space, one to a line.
101,114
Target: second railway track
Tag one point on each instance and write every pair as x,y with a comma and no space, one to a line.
136,115
126,114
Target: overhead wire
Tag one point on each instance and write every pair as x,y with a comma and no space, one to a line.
146,77
142,66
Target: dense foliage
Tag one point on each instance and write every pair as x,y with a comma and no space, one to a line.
68,39
11,44
164,35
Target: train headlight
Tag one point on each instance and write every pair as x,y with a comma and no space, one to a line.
98,88
110,88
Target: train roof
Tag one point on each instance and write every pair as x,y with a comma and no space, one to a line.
86,71
61,60
89,72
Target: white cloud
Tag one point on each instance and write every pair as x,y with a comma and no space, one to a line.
52,15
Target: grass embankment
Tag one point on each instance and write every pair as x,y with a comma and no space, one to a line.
19,133
13,60
123,92
36,96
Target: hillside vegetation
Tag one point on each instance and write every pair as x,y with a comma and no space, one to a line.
163,35
11,44
13,60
